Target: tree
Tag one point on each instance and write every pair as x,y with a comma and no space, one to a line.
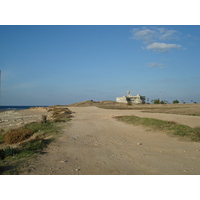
175,101
156,101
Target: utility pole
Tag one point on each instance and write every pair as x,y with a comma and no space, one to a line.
0,83
160,96
0,87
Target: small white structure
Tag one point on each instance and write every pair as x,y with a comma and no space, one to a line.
132,99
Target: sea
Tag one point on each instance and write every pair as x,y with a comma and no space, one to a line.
6,108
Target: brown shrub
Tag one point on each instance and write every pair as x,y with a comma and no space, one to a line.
129,103
18,135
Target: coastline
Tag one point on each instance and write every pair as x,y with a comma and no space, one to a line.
6,108
13,118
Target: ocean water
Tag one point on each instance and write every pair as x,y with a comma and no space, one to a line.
5,108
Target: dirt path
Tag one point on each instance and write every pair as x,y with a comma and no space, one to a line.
95,143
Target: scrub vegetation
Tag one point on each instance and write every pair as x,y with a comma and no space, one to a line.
170,127
21,144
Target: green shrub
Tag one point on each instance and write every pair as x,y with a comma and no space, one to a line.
7,152
175,101
156,101
2,154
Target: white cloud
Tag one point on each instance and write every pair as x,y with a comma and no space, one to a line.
153,34
146,35
162,47
168,35
154,38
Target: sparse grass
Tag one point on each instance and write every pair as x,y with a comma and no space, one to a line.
193,114
12,158
169,126
45,129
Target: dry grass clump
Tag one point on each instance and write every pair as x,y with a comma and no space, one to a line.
17,135
60,114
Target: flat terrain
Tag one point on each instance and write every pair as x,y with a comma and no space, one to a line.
96,143
181,109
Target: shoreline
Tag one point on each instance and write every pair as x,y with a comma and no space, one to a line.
8,108
10,119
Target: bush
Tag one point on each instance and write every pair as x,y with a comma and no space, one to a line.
18,135
60,114
7,152
2,154
175,101
129,103
156,101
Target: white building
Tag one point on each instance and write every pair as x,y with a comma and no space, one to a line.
132,99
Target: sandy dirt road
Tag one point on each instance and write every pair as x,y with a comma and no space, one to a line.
97,144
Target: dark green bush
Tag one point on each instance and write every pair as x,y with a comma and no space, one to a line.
175,101
7,152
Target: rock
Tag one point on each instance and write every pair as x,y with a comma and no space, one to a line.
139,143
63,161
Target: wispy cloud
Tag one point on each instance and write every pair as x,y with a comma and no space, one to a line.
156,65
145,34
152,34
165,34
162,47
155,38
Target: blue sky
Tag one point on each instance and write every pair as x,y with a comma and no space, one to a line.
49,65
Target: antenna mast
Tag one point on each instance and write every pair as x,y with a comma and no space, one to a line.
0,87
0,83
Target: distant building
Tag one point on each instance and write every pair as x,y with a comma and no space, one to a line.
132,99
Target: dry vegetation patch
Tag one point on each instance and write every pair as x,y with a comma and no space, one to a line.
60,113
19,145
18,135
